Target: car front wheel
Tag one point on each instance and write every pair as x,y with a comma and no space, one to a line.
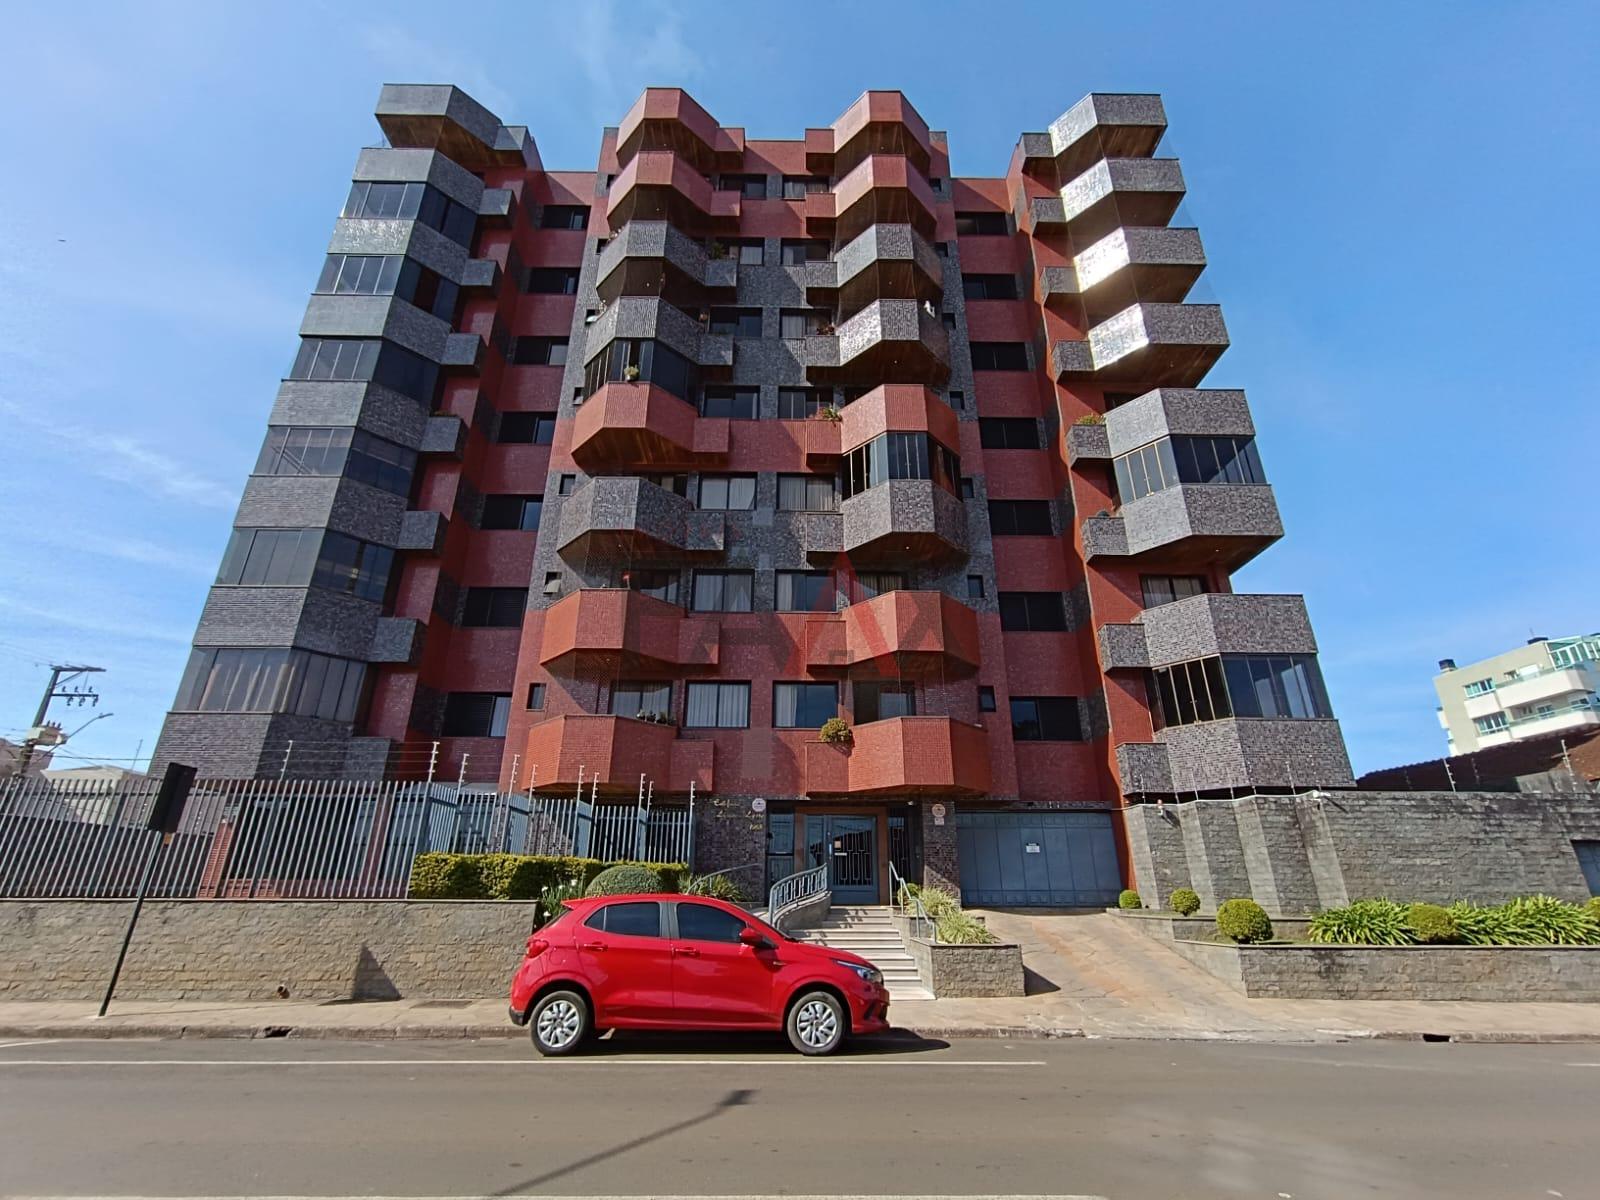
816,1023
560,1023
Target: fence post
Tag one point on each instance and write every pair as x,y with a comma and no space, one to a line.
582,823
688,847
419,843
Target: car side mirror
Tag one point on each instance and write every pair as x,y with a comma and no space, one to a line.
755,939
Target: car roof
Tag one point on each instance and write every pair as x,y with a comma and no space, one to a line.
594,901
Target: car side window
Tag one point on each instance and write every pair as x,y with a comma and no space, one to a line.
635,919
703,923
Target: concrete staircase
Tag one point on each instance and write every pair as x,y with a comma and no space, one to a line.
868,931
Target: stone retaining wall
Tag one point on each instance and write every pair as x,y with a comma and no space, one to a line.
986,970
1165,927
246,950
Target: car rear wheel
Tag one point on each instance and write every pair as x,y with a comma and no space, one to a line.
816,1023
560,1023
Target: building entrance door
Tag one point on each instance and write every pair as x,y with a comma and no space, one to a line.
849,847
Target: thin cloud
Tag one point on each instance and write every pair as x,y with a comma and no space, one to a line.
124,549
112,620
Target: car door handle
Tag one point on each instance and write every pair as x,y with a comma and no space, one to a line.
686,951
592,946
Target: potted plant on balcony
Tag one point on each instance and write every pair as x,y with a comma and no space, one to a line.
828,413
835,732
631,373
716,249
826,329
1090,419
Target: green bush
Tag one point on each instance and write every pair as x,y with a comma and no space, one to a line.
1548,921
718,887
440,876
624,879
937,903
1592,907
1243,921
957,928
1185,902
1432,925
1363,923
448,877
1129,899
1485,925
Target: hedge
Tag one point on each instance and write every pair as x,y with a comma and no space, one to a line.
441,876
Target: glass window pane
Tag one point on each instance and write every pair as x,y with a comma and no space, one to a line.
733,705
738,592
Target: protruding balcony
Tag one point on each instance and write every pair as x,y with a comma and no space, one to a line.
898,408
1101,125
877,123
639,425
896,634
669,119
884,262
898,339
444,118
1256,753
1164,345
1121,191
1087,443
618,632
881,190
902,756
1166,412
1143,768
1139,263
904,520
621,517
651,258
657,185
1203,626
1192,525
659,320
616,751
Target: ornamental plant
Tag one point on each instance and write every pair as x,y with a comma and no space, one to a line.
1243,921
1090,419
625,879
835,732
1129,899
718,887
1185,902
1376,922
1432,925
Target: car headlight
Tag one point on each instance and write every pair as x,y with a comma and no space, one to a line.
868,974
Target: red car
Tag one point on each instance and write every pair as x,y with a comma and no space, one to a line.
687,962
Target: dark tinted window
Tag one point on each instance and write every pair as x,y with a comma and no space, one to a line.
635,918
1164,589
985,698
739,322
805,591
538,351
1019,517
557,280
803,705
476,714
702,923
638,360
738,403
1045,719
989,287
494,607
511,512
798,252
1032,611
525,428
564,216
1172,461
1008,433
982,223
999,356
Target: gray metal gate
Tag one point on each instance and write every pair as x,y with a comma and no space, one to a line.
1057,859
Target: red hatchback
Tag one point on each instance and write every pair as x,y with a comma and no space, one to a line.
687,962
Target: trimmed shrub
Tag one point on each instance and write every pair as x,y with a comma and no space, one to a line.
1432,925
718,887
1129,899
1185,902
448,877
624,879
440,876
957,928
1364,923
1243,921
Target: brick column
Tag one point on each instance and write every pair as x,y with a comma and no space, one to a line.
939,864
727,834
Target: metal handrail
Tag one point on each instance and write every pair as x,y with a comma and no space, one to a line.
911,907
792,889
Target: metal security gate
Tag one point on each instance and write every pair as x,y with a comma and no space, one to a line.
1056,859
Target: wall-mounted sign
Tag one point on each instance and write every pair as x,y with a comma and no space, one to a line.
938,811
758,805
1030,848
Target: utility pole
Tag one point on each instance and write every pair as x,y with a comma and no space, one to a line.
61,676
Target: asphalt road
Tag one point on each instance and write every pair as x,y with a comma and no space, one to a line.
649,1116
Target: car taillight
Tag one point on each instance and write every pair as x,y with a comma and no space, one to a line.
537,946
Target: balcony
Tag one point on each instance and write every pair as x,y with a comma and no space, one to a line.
884,189
1101,125
897,633
898,408
616,751
887,338
1161,345
1190,526
1117,192
1256,753
621,517
657,185
1144,767
651,258
884,262
639,425
1138,264
1168,412
1087,443
877,123
1203,626
617,632
444,118
662,321
1550,685
902,756
904,521
669,119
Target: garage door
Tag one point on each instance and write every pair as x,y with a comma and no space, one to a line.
1015,859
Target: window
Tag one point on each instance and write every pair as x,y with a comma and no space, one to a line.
999,356
412,202
801,404
722,591
559,281
1118,399
728,492
796,252
948,320
989,287
1164,589
494,607
805,591
985,698
969,488
751,187
565,484
1479,687
808,493
982,224
656,582
800,322
1545,710
740,322
306,558
1008,433
975,589
1493,723
536,696
564,216
678,485
870,584
899,456
552,583
428,290
511,512
796,187
526,428
738,403
956,399
702,923
476,714
749,252
1045,719
354,567
1176,460
1019,518
360,274
881,701
641,699
631,918
320,450
717,706
538,351
1276,686
1032,612
652,361
272,681
336,359
803,705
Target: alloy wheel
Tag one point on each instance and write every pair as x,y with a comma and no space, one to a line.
559,1023
816,1023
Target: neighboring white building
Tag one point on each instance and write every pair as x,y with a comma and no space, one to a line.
1537,689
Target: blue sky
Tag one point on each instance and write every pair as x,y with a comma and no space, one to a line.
1397,202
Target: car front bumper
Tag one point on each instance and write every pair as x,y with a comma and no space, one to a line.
519,1016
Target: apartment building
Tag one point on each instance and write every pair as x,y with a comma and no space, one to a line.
1547,686
885,510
